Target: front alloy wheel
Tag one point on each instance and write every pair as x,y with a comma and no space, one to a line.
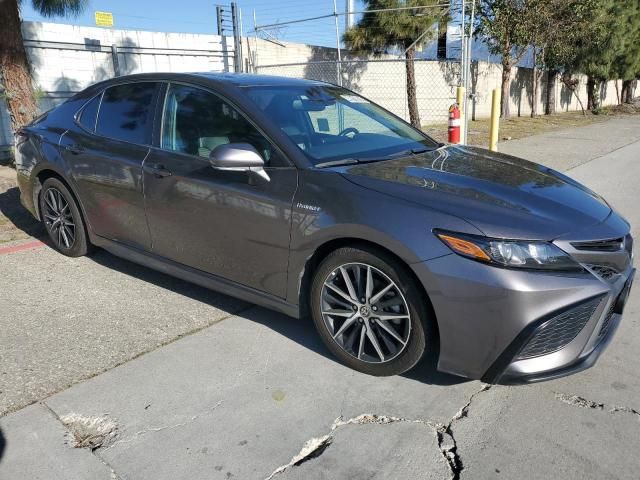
365,313
369,311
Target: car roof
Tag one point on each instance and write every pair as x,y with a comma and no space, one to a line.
229,79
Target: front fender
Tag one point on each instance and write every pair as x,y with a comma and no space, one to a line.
328,207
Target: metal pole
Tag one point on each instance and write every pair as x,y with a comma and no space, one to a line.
223,39
495,119
463,68
349,18
255,37
467,76
339,63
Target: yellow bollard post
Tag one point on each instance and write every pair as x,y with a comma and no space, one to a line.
495,120
460,101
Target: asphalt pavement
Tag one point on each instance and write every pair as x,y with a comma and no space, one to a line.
211,387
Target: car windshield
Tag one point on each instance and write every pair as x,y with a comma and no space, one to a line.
330,123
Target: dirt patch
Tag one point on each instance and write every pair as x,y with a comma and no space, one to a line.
520,127
16,223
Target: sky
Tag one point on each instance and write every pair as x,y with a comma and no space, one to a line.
199,16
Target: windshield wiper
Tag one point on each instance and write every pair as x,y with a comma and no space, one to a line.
354,161
337,163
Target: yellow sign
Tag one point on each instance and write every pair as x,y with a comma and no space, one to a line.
104,19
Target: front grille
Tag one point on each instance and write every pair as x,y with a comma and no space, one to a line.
612,245
558,331
605,272
607,321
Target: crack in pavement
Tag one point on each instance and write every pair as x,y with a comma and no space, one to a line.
314,447
447,441
582,402
145,431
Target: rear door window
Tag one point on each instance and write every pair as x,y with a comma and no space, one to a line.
126,112
89,112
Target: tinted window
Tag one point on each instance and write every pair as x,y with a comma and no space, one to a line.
125,112
195,122
89,112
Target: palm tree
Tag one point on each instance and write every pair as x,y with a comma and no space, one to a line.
15,73
385,31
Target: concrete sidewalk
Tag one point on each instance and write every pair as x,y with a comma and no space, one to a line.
257,396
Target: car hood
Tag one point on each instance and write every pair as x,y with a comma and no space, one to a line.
501,195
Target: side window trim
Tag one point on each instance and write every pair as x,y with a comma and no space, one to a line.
78,114
152,111
158,145
158,117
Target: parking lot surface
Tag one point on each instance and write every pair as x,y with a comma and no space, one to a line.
211,387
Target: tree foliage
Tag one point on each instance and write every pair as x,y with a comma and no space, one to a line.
598,38
15,72
389,31
505,25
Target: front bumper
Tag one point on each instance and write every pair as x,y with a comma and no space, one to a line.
486,315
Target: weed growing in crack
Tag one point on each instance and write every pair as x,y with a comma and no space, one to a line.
88,432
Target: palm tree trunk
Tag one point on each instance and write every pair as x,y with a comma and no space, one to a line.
412,97
14,67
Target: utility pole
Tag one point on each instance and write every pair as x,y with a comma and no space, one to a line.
223,38
349,18
339,62
237,39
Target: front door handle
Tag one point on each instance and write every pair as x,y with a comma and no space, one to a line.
158,170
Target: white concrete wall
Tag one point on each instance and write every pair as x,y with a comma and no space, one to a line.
68,58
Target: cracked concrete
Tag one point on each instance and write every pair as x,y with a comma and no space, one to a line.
446,442
585,403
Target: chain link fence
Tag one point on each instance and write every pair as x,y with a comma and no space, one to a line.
384,82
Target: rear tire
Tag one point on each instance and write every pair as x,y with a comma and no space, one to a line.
369,329
62,219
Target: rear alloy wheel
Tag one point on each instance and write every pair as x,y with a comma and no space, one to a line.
369,312
62,219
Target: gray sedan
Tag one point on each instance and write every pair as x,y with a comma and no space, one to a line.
309,199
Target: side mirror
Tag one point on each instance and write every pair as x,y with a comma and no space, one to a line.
238,157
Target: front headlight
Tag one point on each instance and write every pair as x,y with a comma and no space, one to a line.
509,253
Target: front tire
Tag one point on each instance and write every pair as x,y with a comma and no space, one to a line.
369,311
62,220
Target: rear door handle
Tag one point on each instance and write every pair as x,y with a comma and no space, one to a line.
158,170
75,148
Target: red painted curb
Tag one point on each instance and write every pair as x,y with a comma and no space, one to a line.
20,247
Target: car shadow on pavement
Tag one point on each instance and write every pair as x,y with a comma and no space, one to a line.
301,331
2,444
12,210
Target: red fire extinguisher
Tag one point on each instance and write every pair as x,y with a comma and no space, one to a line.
454,124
